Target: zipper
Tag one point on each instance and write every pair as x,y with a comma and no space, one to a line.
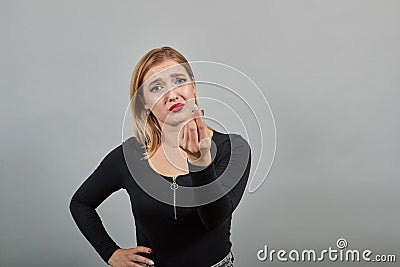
174,186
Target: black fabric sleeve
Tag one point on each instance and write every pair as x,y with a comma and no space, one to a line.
105,180
217,212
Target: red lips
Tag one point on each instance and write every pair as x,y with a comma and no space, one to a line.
175,105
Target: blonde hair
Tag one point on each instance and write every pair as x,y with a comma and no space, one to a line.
146,127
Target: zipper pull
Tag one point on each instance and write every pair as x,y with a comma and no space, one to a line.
174,186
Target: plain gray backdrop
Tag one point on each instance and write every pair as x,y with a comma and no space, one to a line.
329,69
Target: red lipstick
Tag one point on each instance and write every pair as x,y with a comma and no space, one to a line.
177,105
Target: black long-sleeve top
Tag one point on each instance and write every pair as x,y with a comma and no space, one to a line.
200,235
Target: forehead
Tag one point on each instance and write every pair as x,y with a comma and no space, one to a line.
164,69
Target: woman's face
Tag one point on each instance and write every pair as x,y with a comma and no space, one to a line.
165,85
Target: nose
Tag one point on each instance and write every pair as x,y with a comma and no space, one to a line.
172,94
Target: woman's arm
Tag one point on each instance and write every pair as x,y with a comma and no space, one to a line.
234,162
105,180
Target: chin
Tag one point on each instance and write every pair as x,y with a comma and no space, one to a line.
177,119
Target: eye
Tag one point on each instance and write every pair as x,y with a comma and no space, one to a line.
181,80
155,88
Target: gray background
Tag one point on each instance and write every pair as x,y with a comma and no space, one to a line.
330,70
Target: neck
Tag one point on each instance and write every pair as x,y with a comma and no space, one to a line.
170,134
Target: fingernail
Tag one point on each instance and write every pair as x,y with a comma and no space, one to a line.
150,251
151,262
202,111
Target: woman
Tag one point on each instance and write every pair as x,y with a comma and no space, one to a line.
180,150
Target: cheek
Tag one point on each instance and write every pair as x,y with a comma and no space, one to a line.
187,92
159,109
152,100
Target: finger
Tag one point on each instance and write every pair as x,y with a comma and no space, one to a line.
138,258
143,249
134,264
193,137
182,140
201,124
186,138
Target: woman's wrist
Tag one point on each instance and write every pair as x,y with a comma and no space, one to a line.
203,160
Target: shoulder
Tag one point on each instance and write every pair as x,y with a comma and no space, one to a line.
129,146
118,153
118,156
114,156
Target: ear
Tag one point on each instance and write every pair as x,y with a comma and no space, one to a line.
143,101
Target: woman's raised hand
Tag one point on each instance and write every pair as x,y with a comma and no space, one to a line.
129,257
194,139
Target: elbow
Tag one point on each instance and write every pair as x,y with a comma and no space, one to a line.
74,204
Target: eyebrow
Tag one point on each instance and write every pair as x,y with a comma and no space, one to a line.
172,75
